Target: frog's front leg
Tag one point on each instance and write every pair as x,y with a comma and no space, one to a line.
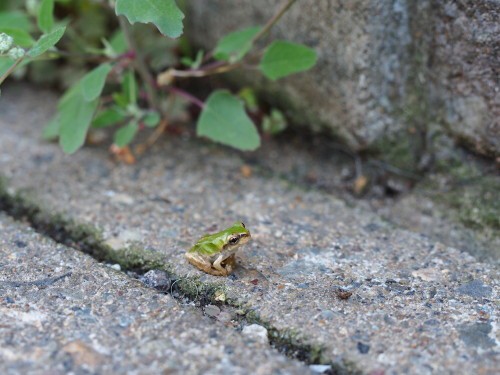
219,267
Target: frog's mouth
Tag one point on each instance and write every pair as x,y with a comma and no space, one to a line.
244,238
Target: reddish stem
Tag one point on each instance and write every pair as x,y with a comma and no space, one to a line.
187,96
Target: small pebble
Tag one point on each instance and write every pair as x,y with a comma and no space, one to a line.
363,348
156,279
212,311
320,369
327,314
256,332
224,317
343,293
114,266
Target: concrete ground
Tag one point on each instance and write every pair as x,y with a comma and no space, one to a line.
62,312
332,283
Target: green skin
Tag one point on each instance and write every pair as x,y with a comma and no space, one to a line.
215,253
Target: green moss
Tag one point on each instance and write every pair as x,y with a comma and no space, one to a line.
473,199
478,207
396,151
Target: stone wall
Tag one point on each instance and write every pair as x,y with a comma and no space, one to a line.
392,76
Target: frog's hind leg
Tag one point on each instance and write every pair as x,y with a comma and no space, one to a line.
203,265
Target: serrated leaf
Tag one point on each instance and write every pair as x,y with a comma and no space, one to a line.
234,46
223,119
129,87
108,117
164,14
93,82
46,42
45,17
21,37
151,119
125,134
75,118
284,58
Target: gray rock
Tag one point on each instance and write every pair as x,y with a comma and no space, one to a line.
475,288
391,75
256,332
211,311
476,335
327,314
157,279
320,369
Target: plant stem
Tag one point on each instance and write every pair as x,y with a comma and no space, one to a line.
140,65
11,69
203,72
272,21
186,95
219,67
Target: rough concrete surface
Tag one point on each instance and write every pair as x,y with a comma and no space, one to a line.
62,312
376,298
392,76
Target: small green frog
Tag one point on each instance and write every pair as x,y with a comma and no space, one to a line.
215,253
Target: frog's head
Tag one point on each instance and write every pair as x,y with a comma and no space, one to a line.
236,235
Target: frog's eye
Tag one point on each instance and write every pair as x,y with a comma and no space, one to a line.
234,240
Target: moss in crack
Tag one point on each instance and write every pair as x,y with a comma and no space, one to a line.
294,345
89,240
134,257
22,207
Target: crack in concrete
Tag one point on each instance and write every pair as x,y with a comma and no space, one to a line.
88,240
42,282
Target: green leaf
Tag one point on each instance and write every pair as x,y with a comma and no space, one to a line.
46,42
223,119
51,130
118,42
108,117
164,14
151,119
16,19
93,82
275,123
120,99
129,87
125,134
234,46
45,17
284,58
21,37
5,64
75,118
249,97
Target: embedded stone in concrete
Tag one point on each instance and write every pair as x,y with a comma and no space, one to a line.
406,313
62,312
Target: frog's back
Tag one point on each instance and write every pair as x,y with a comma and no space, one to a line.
205,248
